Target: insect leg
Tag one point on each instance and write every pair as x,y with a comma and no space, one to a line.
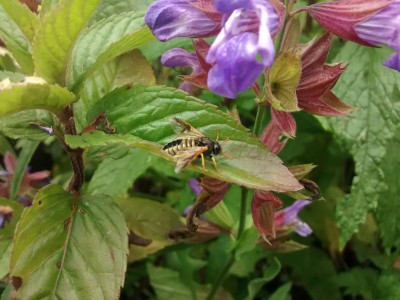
202,161
215,163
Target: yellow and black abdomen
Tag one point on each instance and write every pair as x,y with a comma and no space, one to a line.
172,148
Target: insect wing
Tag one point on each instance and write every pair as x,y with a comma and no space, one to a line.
185,157
184,129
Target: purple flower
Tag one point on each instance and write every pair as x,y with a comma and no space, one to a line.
383,28
168,19
195,186
244,47
288,217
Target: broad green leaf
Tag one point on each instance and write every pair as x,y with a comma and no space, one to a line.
271,271
359,282
32,93
7,233
7,293
103,41
23,160
8,65
56,36
114,177
128,68
313,270
24,124
282,293
17,25
387,286
388,220
375,90
167,285
108,8
145,113
151,221
69,248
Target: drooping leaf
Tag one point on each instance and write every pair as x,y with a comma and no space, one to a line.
105,40
23,160
113,177
145,113
375,90
7,233
32,93
70,248
24,124
56,36
152,222
5,145
17,27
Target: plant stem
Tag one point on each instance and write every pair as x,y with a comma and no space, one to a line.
75,155
231,259
259,119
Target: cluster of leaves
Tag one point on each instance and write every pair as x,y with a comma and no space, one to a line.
77,60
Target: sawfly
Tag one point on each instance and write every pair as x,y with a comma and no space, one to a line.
190,144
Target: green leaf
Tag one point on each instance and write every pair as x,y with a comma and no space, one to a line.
111,7
103,41
167,285
128,68
314,270
23,124
7,293
69,248
255,285
32,93
282,293
47,6
23,160
359,282
17,27
388,220
56,36
151,221
7,234
5,144
114,177
143,114
374,89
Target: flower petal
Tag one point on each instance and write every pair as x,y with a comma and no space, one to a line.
236,67
168,19
393,61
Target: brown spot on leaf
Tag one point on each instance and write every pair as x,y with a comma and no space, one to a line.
82,211
66,223
58,264
16,282
135,239
40,202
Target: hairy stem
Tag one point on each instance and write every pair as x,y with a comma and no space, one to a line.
75,155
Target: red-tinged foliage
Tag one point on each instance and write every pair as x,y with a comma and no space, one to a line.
317,79
263,209
271,138
339,17
213,192
284,121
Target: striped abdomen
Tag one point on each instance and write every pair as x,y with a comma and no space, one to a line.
178,145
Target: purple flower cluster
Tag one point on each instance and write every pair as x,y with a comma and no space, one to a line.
243,46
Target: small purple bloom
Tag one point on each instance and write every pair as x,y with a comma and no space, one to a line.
195,186
384,28
289,216
169,19
244,47
181,58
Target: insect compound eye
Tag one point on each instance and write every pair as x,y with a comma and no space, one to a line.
217,148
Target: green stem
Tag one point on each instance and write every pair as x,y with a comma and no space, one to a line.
259,119
231,259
